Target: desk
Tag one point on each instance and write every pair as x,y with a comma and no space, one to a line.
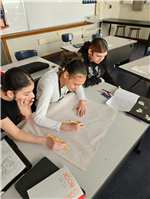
117,144
27,61
141,62
119,50
140,23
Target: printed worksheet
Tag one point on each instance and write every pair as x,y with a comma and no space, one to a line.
82,144
122,100
11,165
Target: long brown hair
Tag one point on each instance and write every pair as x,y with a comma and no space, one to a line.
97,45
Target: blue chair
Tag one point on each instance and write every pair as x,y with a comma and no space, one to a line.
97,35
68,37
24,54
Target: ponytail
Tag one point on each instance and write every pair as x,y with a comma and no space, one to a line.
73,63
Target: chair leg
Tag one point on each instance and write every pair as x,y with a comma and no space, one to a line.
130,32
124,31
116,31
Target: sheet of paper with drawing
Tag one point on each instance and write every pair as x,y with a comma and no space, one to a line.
84,143
122,100
11,165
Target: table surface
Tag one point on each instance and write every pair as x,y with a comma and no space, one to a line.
27,61
121,137
116,42
141,62
127,22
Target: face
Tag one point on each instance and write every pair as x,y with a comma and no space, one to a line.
25,92
74,82
96,57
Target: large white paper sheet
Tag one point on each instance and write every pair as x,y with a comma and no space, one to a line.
84,143
11,165
60,185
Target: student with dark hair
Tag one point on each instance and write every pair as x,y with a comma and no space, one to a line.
55,84
16,100
95,59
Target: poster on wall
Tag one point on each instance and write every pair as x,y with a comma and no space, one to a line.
4,23
89,1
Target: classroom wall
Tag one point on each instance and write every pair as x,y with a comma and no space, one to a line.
106,12
124,11
31,42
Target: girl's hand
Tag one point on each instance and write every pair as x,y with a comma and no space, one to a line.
81,108
24,106
72,126
54,145
24,102
102,80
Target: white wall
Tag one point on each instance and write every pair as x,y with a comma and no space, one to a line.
106,12
123,11
31,42
126,12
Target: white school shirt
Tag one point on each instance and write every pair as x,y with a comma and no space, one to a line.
47,92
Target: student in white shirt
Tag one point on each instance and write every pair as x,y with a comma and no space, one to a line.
55,84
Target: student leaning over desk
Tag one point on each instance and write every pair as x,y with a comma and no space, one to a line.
55,84
16,100
95,59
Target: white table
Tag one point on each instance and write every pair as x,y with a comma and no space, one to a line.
119,49
27,61
141,62
119,141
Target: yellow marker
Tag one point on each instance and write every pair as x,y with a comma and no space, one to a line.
73,121
56,139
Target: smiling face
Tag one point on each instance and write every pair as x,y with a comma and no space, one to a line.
73,82
96,57
25,92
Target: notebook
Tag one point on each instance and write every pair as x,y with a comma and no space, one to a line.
39,172
78,45
35,67
13,163
141,109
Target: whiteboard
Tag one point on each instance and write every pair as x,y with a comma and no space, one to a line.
15,15
51,13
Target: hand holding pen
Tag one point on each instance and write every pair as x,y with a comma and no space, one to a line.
73,126
76,126
55,143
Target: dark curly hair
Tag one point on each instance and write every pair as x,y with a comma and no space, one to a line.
73,63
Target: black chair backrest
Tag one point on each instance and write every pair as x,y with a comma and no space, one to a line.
68,37
24,54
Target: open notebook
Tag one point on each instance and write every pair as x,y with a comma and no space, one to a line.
135,105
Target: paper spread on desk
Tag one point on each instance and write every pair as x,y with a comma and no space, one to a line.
11,165
122,100
60,185
145,70
83,143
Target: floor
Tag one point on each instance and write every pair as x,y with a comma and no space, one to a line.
132,181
